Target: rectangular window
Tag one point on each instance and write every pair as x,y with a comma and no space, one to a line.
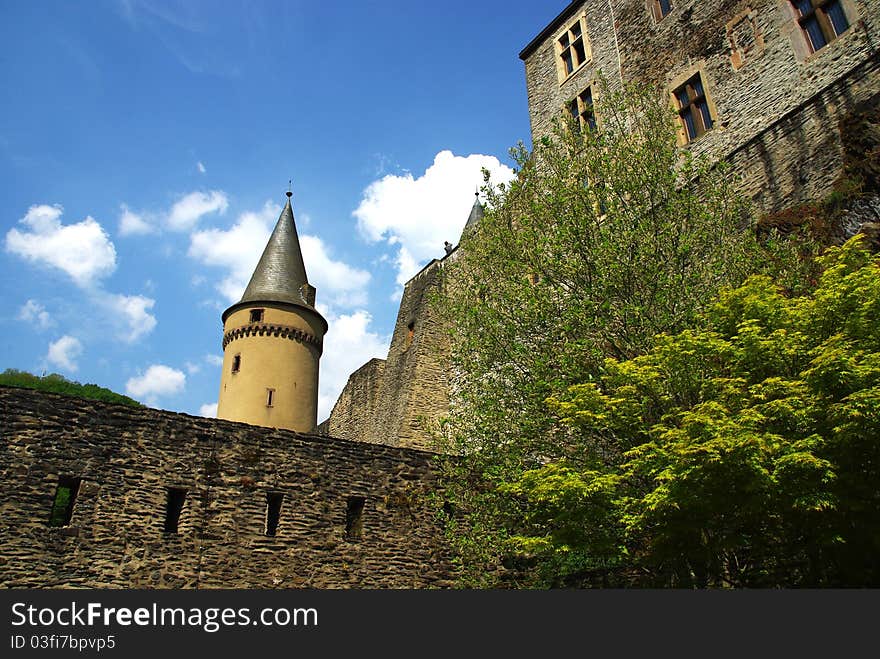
270,397
354,518
273,512
660,8
65,497
822,21
693,108
236,363
581,109
174,501
256,315
572,48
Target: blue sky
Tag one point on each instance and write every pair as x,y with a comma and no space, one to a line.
145,148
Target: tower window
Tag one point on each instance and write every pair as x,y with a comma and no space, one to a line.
693,108
572,49
236,364
270,397
410,332
257,315
354,518
660,8
822,21
581,109
65,497
174,501
273,512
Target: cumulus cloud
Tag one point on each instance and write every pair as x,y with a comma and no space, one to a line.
186,213
130,314
417,214
348,345
35,313
82,250
133,224
209,410
64,352
238,251
158,381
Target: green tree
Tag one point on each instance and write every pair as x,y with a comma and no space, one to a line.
60,385
604,239
752,446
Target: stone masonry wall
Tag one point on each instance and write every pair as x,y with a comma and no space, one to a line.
411,392
776,106
127,457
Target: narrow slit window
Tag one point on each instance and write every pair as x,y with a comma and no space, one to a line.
410,332
273,512
174,501
354,518
256,315
236,364
65,497
270,397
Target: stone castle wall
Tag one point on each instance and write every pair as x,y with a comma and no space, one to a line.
128,457
777,107
397,400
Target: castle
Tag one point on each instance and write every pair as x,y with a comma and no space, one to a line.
100,495
786,91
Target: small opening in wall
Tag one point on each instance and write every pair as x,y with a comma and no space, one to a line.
273,512
354,518
174,501
236,364
256,315
65,497
270,397
410,332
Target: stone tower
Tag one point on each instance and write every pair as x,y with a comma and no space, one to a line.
272,340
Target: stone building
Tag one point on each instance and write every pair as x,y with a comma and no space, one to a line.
772,86
768,85
398,399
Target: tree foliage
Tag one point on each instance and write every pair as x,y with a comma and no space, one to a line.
752,446
60,385
604,239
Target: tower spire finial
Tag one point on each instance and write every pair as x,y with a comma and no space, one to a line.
289,187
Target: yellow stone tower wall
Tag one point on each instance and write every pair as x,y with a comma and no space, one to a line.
279,353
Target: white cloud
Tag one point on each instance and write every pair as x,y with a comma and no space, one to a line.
185,214
214,360
238,250
64,352
129,313
418,214
209,410
133,224
34,312
201,167
349,344
82,250
158,381
192,368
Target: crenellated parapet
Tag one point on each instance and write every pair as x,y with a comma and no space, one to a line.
272,330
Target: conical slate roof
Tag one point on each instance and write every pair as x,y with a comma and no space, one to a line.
281,273
475,216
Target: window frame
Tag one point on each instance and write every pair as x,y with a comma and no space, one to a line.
698,106
560,49
823,20
584,115
656,8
